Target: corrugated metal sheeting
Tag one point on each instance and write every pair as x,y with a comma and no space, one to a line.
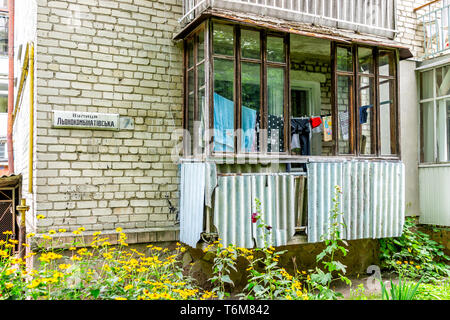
434,189
235,202
372,202
372,199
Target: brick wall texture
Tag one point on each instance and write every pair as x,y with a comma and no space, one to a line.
109,57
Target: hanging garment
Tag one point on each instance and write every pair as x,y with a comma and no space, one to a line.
224,125
363,113
328,129
302,127
275,133
315,122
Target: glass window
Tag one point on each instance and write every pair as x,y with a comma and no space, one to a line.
366,114
386,66
426,85
224,106
442,130
250,44
201,46
443,81
275,102
4,20
223,39
251,106
275,49
344,106
388,122
344,59
427,132
365,60
3,149
3,104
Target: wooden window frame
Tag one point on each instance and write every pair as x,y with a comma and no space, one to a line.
354,125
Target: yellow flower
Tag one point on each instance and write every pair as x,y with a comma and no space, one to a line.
76,258
62,230
64,266
9,285
119,229
399,262
81,229
120,298
128,287
411,262
51,231
76,232
40,216
417,267
31,234
8,232
46,237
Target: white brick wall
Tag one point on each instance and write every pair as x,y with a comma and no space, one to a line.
409,26
109,57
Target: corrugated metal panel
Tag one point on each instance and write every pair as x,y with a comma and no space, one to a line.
434,190
372,200
235,202
192,202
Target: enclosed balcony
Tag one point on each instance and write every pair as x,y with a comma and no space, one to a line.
374,17
434,19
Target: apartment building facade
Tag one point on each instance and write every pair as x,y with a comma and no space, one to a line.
170,118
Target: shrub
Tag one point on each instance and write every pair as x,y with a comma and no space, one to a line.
414,255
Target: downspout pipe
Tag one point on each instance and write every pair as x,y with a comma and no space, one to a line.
9,134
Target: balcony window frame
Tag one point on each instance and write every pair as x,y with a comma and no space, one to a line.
354,126
433,100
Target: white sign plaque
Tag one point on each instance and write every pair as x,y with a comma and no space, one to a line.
85,120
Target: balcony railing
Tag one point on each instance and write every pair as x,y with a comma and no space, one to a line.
435,17
367,16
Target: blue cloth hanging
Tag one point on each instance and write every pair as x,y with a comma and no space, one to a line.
224,126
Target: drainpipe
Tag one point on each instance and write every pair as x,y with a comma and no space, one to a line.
10,87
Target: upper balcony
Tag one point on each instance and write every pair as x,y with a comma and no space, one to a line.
434,18
374,17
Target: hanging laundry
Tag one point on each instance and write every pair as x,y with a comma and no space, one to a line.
328,129
363,113
302,128
343,121
316,124
275,133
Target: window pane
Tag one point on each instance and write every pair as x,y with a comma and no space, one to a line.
223,105
251,106
443,130
189,139
4,104
201,46
426,85
275,49
201,75
443,81
344,59
427,132
366,112
250,44
365,60
388,121
200,124
275,97
223,39
344,101
190,53
386,63
4,20
2,149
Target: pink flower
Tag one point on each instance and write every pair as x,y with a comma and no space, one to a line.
255,217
